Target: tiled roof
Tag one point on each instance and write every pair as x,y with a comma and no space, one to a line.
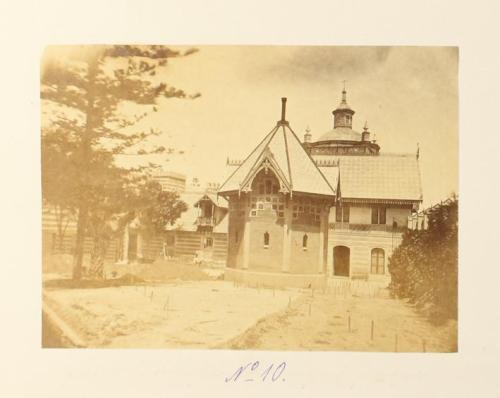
332,175
216,200
292,164
340,134
389,177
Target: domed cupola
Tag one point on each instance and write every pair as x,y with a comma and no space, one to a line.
342,139
342,116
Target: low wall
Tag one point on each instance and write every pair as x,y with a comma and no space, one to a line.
275,279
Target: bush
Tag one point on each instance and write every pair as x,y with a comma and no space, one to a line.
424,268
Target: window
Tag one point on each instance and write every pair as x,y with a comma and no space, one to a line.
306,210
269,185
304,242
378,261
266,240
342,213
378,215
208,242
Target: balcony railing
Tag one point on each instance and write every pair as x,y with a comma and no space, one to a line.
205,221
345,226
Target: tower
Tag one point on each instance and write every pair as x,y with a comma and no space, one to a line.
342,115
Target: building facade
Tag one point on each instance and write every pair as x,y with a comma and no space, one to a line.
171,181
303,212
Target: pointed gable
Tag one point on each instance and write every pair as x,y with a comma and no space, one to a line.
283,152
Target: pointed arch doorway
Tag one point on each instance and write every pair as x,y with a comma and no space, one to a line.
341,261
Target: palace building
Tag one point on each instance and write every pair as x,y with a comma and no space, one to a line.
302,213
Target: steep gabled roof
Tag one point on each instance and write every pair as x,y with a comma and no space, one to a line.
218,201
282,151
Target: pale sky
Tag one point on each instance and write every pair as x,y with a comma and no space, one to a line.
408,95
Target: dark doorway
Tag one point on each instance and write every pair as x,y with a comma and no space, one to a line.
341,260
132,246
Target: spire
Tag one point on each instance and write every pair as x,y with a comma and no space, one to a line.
365,135
307,135
344,94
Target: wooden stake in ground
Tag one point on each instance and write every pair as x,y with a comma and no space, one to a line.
349,321
373,326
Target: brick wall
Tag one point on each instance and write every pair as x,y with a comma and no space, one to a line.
361,244
305,261
261,258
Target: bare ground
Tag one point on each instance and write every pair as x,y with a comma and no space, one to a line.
322,323
201,314
174,305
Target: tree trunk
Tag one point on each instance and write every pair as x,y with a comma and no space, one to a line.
86,149
96,269
80,241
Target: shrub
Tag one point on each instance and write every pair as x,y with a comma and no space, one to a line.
424,268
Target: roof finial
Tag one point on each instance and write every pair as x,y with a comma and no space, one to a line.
307,135
365,127
344,92
418,150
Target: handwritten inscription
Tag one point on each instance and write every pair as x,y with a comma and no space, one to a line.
252,371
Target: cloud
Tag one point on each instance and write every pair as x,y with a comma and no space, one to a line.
320,63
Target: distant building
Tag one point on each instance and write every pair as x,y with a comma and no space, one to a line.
303,212
170,181
200,231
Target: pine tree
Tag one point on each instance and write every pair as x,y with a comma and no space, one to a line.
82,99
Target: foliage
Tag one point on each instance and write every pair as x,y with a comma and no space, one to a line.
83,98
424,268
155,209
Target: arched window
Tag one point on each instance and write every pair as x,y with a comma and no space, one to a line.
266,239
304,242
378,261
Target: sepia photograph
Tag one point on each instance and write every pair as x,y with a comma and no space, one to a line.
246,197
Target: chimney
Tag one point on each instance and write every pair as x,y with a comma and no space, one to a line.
283,109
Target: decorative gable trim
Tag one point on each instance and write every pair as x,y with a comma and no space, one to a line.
267,162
